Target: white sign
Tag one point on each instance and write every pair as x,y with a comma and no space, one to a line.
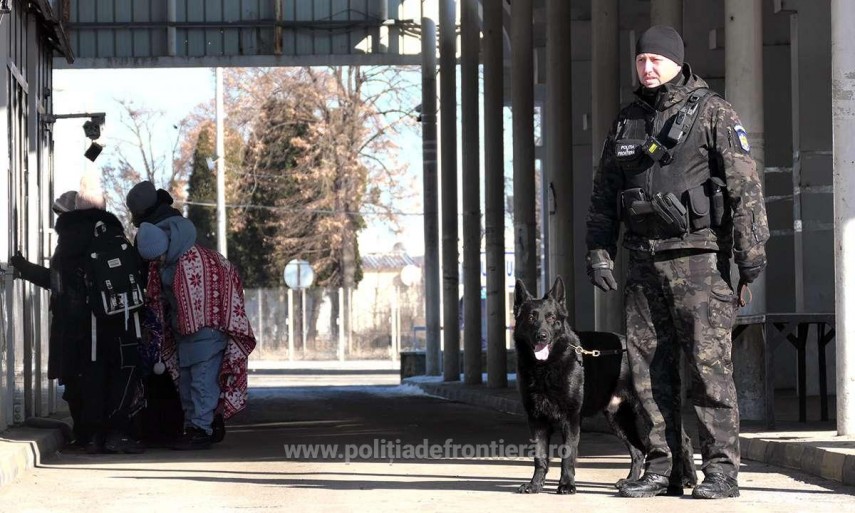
298,274
510,278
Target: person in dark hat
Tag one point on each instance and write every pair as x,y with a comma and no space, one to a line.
149,205
676,170
102,389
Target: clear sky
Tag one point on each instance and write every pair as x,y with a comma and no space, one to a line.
175,91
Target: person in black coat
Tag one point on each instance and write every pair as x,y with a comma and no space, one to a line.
61,363
100,393
162,420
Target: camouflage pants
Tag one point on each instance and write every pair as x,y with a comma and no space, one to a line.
678,299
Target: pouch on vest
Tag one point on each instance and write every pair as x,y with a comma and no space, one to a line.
716,187
699,208
672,213
635,209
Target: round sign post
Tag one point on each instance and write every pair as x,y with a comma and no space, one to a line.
298,275
409,276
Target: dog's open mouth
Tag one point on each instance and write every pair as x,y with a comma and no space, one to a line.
541,351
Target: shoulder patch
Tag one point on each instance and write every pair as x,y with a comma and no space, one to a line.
743,137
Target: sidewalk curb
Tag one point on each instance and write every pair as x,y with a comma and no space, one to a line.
801,453
23,447
782,449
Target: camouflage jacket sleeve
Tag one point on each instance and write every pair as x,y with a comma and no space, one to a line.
744,188
603,222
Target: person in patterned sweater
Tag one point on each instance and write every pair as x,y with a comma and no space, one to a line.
206,338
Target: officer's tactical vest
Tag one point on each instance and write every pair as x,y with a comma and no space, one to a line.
669,190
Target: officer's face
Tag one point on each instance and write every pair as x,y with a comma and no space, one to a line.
654,70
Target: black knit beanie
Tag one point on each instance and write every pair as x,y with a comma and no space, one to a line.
661,40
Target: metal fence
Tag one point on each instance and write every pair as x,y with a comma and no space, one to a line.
317,325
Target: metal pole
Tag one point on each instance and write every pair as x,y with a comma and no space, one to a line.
448,184
303,318
743,60
494,194
470,44
259,338
666,12
341,323
291,324
522,97
605,54
431,274
559,150
393,324
221,170
843,112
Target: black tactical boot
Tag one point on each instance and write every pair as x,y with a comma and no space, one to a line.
650,485
716,486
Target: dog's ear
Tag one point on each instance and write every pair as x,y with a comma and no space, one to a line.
521,295
557,290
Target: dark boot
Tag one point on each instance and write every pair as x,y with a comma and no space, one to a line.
650,485
716,486
219,428
119,442
193,439
95,445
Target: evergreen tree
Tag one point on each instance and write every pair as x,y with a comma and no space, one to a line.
202,192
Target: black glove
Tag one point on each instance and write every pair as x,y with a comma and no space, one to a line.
749,274
18,262
600,267
603,279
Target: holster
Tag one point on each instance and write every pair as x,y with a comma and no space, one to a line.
672,213
716,187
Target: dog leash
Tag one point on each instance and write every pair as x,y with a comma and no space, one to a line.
596,352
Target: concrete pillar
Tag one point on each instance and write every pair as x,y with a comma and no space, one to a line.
494,195
743,35
448,185
559,145
470,31
843,112
431,200
522,98
605,76
667,12
743,61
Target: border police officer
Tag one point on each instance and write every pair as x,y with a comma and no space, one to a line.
676,170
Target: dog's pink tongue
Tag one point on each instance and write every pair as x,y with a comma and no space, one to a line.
541,351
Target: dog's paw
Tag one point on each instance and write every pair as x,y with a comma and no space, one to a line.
621,482
689,481
530,488
566,488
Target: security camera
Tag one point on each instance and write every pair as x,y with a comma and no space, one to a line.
92,129
93,151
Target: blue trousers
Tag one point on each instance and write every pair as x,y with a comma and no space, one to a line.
200,356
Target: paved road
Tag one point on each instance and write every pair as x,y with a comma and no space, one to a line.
252,471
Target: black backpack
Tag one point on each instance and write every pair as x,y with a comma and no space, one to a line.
114,274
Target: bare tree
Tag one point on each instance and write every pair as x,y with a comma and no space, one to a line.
141,157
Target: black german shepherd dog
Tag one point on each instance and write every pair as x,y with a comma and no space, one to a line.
561,381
